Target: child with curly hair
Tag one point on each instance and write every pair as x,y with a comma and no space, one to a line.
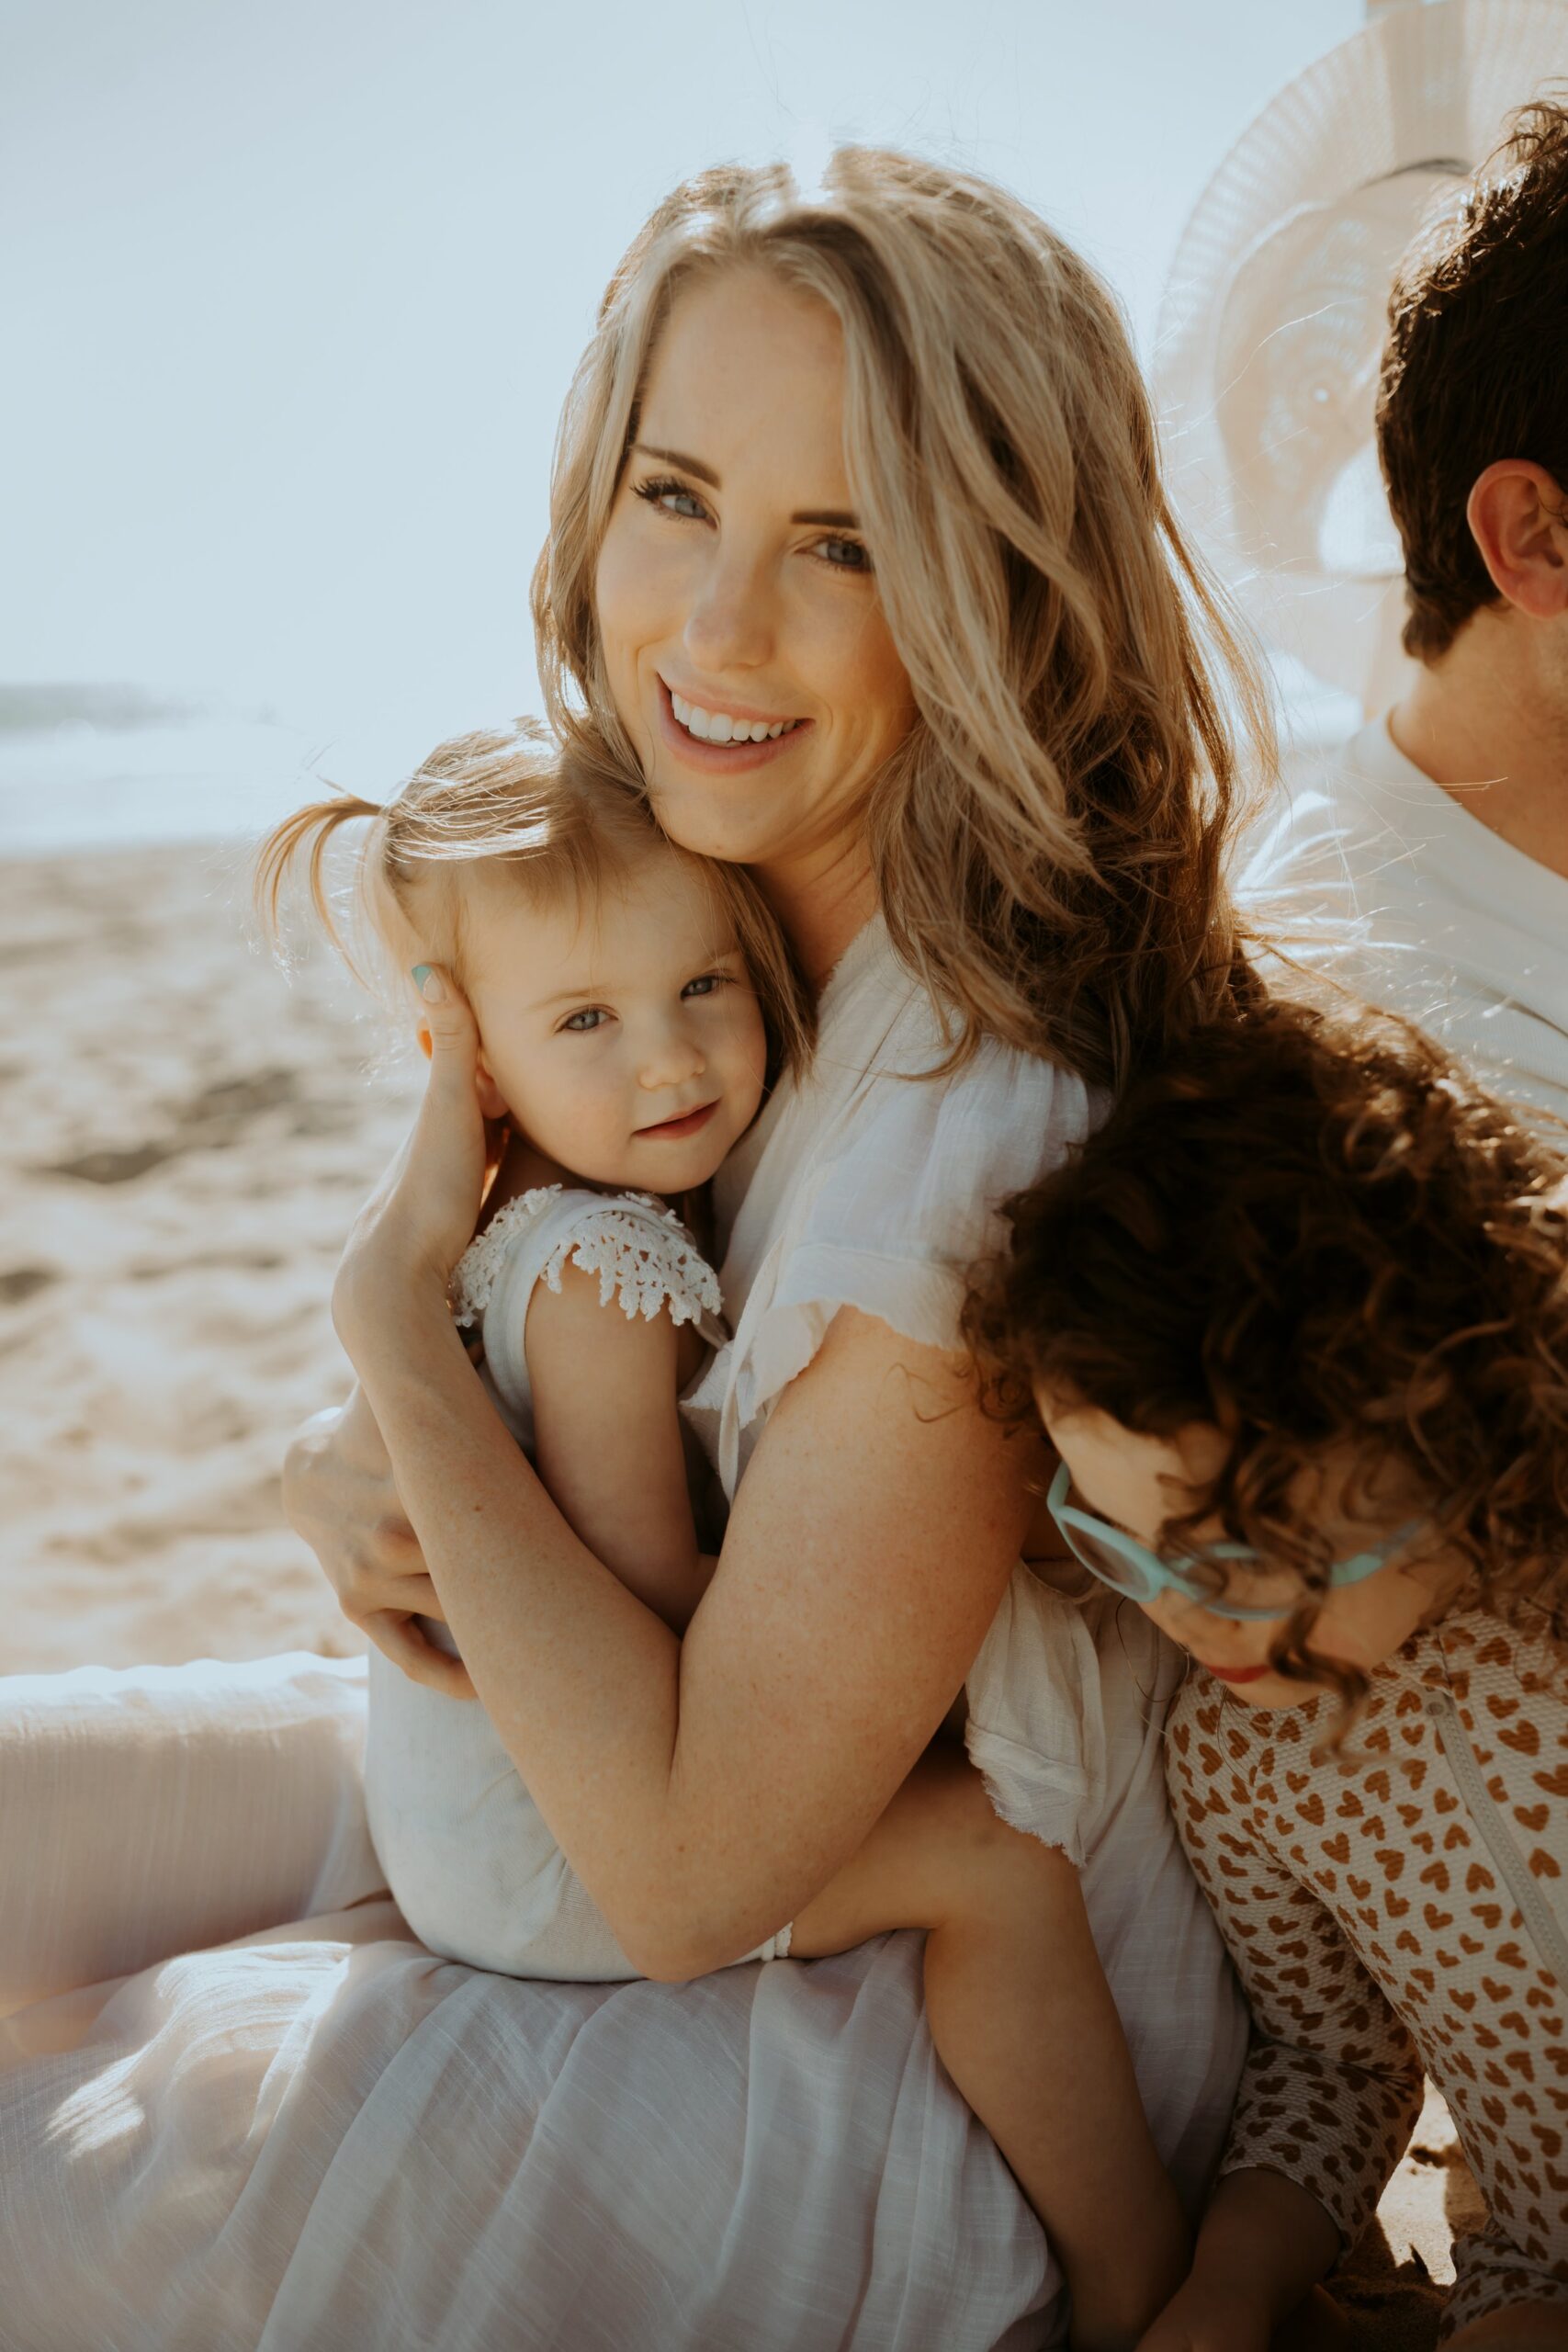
1296,1322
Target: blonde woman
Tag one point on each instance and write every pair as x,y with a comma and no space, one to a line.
858,551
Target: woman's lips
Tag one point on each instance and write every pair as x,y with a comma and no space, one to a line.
722,758
672,1129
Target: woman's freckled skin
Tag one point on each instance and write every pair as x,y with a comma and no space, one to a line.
717,590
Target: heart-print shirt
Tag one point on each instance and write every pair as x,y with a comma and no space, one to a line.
1398,1906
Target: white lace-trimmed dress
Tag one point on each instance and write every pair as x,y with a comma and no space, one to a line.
468,1856
243,2110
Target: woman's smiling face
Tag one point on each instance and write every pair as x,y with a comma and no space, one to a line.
734,583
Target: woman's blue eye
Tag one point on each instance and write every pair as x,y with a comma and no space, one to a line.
658,493
859,559
582,1022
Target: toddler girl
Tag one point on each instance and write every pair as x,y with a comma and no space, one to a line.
1296,1322
634,1003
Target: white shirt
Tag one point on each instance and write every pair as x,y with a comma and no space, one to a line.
1377,874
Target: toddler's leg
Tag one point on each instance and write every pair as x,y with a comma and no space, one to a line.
1024,2023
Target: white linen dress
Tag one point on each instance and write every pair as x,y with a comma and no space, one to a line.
315,2133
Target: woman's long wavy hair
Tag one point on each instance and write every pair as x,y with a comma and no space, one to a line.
1049,842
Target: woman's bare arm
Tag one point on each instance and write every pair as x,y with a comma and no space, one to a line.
704,1791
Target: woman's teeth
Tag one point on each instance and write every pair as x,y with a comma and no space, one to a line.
718,727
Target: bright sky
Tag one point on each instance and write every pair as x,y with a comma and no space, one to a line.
293,292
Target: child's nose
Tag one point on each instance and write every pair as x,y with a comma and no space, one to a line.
671,1059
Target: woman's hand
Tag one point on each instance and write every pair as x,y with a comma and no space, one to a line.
338,1496
421,1218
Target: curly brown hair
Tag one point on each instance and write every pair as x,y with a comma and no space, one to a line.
1313,1229
1472,368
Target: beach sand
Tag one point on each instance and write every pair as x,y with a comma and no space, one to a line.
185,1138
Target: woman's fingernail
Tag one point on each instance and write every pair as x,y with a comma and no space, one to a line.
428,983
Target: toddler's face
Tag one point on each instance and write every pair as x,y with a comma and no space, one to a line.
1137,1482
622,1033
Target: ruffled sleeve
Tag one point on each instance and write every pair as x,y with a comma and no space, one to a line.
911,1201
1036,1731
885,1206
646,1260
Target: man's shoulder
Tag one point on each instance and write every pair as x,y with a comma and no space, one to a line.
1371,873
1328,813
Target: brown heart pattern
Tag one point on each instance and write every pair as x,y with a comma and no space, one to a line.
1356,1987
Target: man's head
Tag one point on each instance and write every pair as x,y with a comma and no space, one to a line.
1472,409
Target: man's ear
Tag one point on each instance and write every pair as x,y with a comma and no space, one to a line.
1519,519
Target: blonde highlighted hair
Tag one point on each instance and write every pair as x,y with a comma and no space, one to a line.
1048,842
562,820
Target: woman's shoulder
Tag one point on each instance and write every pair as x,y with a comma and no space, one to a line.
879,1183
931,1148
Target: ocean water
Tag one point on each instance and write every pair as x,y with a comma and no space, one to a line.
84,786
108,767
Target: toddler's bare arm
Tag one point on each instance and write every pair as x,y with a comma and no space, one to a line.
608,1440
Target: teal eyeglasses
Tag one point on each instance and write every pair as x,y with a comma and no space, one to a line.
1130,1568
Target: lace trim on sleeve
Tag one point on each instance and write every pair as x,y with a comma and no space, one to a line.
479,1269
643,1257
640,1251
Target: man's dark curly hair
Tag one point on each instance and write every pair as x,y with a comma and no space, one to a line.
1315,1230
1474,365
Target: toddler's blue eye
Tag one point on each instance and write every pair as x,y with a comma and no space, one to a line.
582,1024
705,985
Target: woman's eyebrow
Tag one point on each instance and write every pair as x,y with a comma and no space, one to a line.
674,458
826,519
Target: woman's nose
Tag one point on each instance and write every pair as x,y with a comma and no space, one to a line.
729,624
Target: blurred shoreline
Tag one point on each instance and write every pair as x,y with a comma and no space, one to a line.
76,786
185,1138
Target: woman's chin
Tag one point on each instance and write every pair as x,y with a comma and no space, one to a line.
731,822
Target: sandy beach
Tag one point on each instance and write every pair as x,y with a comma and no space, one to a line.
185,1138
187,1135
